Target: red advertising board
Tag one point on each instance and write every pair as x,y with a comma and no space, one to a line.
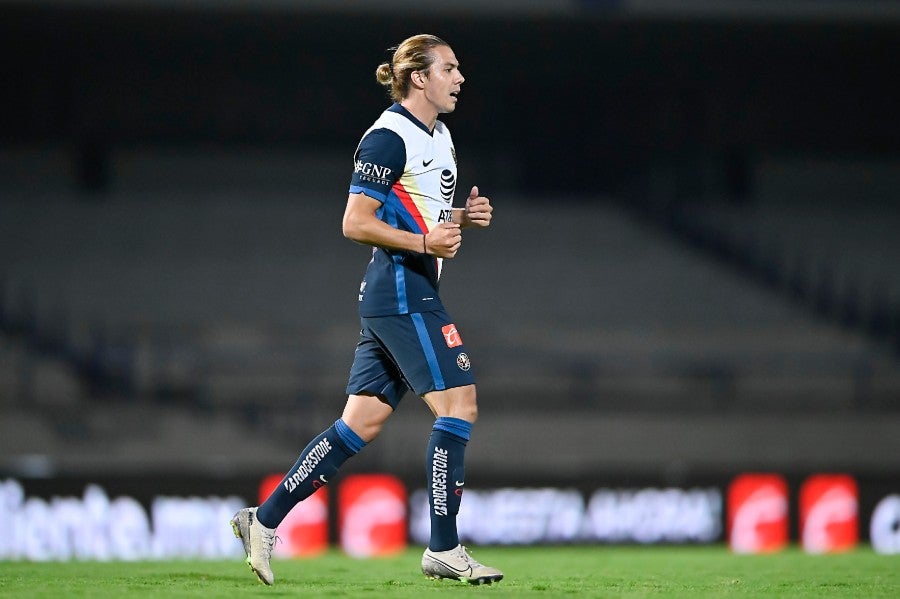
304,532
829,508
372,515
758,513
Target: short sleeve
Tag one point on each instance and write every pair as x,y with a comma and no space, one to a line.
378,163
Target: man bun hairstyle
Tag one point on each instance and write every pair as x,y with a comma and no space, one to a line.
412,54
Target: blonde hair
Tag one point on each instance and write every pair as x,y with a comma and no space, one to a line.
413,54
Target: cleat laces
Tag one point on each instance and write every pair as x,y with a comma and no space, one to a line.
466,557
269,539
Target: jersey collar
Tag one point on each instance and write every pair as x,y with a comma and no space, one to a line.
401,110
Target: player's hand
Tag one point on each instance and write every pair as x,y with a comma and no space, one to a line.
478,210
443,240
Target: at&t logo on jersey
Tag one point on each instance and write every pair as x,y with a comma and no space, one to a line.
448,185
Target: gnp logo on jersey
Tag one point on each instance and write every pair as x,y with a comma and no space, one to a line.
828,513
462,360
451,335
448,185
758,513
374,173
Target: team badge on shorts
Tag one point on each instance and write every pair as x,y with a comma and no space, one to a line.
462,360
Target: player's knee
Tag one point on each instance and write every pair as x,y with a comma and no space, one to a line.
458,402
366,415
366,428
468,407
370,430
470,413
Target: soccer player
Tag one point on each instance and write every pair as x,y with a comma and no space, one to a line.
400,203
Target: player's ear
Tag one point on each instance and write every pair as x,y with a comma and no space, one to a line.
417,78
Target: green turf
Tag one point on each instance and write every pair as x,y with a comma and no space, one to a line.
694,572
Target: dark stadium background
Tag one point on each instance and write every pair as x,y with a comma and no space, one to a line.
693,270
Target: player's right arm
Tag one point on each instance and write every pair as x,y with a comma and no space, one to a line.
378,164
361,224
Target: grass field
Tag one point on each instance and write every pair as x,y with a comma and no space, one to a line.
530,572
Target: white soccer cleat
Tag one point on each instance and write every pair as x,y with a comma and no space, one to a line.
258,542
457,564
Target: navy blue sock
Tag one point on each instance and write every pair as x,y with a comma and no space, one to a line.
446,475
315,467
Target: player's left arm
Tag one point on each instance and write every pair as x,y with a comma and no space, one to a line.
477,212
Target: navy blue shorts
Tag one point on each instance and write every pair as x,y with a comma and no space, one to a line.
421,351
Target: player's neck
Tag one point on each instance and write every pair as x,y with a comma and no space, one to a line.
422,109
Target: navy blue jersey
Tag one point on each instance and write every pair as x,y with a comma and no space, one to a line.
412,172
